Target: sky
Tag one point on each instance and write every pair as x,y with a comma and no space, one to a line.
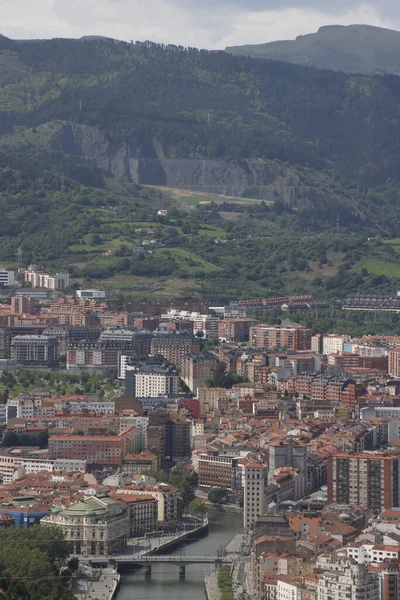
212,24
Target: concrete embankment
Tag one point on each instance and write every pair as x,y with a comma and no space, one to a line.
212,590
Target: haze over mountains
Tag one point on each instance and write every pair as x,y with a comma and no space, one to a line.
352,49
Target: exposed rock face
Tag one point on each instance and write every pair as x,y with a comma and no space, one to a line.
146,164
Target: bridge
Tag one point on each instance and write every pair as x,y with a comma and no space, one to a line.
146,561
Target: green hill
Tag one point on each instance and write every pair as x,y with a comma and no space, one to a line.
352,49
85,124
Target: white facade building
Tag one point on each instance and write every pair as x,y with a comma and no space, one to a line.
333,344
7,277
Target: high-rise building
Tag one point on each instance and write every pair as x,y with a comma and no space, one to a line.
287,336
34,350
394,363
234,330
365,479
255,492
198,370
152,381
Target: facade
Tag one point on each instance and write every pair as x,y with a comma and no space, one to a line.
40,279
95,526
394,364
96,449
234,330
35,350
155,381
91,294
140,463
142,510
255,493
366,479
174,346
209,399
333,344
7,278
342,579
287,336
198,370
206,325
216,470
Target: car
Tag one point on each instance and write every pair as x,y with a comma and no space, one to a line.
324,488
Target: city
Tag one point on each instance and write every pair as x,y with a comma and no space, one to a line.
295,433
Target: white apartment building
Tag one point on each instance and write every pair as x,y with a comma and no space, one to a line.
255,488
154,383
343,579
7,277
286,590
334,344
40,279
17,408
369,553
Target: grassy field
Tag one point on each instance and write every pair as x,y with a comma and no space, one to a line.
141,288
188,261
377,266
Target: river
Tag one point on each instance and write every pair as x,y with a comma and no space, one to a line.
165,584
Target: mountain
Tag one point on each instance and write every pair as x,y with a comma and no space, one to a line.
312,155
352,49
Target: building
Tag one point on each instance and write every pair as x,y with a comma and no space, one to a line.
91,294
153,381
342,579
40,279
209,399
142,510
7,278
94,526
174,346
394,363
105,353
96,449
333,344
35,350
255,492
365,479
234,330
206,326
198,370
140,463
287,455
217,470
287,336
169,500
178,440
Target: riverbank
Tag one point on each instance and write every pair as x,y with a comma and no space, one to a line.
102,584
231,509
212,590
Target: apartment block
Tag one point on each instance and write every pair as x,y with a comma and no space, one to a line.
287,336
174,346
234,330
365,479
209,399
96,449
35,350
216,470
198,370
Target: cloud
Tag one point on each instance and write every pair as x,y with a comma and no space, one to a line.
201,23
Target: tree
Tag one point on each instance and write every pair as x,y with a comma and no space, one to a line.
197,507
218,495
73,564
10,439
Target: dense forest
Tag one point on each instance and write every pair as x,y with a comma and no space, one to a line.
332,137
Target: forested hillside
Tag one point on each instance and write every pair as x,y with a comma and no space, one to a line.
83,121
